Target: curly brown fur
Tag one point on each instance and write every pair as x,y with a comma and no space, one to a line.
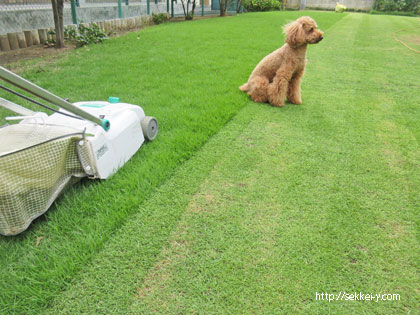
278,75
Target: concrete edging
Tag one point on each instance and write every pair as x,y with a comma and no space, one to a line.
28,38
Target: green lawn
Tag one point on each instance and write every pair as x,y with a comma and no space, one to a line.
236,207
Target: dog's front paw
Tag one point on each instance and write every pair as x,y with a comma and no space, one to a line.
274,96
296,101
277,103
276,100
258,98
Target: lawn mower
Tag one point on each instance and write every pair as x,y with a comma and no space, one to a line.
42,154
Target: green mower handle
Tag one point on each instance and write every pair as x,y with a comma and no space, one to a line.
28,86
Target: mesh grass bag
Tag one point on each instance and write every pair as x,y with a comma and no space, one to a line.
36,163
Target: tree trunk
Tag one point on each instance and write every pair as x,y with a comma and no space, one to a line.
238,6
183,8
193,9
223,7
58,7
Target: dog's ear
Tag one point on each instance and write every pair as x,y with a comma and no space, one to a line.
295,34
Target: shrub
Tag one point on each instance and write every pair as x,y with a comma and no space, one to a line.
159,18
82,35
412,6
89,35
262,5
70,32
401,13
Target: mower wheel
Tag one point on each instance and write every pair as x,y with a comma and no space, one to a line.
150,127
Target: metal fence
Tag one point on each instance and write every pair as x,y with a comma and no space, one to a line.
20,15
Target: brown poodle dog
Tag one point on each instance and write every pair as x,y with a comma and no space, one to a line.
279,74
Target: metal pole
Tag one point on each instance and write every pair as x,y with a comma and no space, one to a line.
167,6
148,7
73,11
119,9
28,86
202,7
15,108
172,8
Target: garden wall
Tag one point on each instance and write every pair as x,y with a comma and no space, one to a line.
42,16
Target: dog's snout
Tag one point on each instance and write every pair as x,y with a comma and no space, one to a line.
321,37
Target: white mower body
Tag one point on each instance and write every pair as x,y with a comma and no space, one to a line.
105,151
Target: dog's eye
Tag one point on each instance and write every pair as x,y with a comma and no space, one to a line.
312,29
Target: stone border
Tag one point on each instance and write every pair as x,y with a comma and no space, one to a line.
28,38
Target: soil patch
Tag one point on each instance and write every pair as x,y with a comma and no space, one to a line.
411,39
14,56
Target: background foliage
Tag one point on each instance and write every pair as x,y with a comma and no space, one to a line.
398,5
262,5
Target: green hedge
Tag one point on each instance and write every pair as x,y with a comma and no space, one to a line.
394,6
262,5
400,13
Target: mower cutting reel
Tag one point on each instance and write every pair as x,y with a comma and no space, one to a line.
43,154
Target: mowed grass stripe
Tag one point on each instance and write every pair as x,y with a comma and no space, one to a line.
111,280
384,99
91,277
281,204
326,215
186,75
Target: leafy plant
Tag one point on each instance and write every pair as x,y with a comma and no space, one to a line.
70,32
90,35
159,18
51,37
398,6
262,5
398,13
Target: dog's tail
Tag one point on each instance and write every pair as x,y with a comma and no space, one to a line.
244,87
